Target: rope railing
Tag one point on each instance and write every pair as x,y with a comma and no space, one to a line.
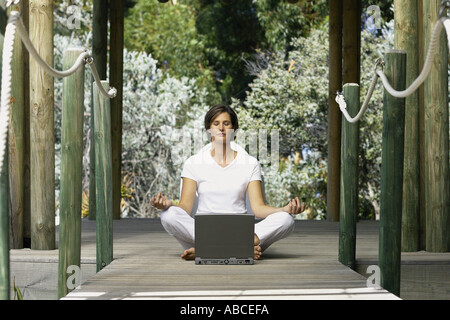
443,22
393,152
15,24
85,57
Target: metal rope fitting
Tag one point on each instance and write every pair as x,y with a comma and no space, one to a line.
89,60
379,63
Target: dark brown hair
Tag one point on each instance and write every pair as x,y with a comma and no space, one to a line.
216,111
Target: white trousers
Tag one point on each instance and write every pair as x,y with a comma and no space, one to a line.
181,226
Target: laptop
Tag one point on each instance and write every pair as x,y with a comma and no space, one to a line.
224,239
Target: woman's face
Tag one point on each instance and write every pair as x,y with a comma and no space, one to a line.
221,128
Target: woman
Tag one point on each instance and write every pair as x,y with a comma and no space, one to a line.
222,173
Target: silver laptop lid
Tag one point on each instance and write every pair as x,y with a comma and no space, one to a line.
226,237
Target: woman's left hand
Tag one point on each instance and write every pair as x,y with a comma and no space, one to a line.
295,207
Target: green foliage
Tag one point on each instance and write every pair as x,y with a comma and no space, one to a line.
283,21
207,40
17,293
371,125
269,57
288,94
291,94
168,32
158,110
231,31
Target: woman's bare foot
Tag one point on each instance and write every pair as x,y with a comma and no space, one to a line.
188,254
257,252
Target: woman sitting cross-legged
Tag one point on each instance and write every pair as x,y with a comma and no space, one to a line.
221,174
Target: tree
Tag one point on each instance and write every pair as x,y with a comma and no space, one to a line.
284,20
235,30
208,39
169,33
291,94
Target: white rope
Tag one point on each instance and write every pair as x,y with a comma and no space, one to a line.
83,58
8,47
432,50
15,24
343,105
434,44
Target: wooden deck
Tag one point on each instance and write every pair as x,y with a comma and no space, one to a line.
147,265
304,266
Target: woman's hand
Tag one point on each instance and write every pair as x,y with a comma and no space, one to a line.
161,202
295,207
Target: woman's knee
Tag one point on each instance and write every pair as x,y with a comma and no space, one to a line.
170,215
286,220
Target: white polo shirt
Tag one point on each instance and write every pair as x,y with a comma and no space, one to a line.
222,190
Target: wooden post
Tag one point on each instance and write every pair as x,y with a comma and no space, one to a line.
103,177
17,143
116,71
349,179
334,114
437,204
42,141
351,69
422,227
26,154
100,36
406,38
392,174
99,53
4,192
351,42
4,230
71,170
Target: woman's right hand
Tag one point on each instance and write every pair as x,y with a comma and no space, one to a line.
161,202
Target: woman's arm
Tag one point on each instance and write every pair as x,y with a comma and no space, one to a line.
187,197
188,192
261,210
